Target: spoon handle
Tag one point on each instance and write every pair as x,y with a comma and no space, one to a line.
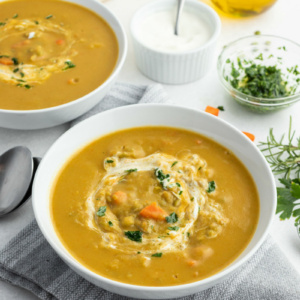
180,5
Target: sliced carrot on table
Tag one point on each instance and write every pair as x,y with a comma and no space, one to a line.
249,135
212,110
119,197
6,61
153,211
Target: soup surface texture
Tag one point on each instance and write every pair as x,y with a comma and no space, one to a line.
155,206
52,52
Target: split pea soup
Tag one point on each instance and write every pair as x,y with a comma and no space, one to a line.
154,206
52,52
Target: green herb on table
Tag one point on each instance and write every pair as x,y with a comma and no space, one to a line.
211,187
157,254
284,159
69,64
101,211
135,236
172,218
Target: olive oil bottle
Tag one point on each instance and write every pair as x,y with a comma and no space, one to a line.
243,7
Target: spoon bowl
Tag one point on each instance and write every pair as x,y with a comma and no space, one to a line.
16,172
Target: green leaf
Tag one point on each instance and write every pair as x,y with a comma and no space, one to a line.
286,182
109,161
157,254
295,190
174,163
135,236
101,211
175,228
131,171
173,218
221,108
211,187
69,64
110,223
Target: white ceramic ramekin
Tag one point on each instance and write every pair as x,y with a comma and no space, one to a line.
48,117
180,67
152,115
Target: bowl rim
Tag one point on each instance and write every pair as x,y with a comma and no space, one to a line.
204,7
119,63
132,287
259,101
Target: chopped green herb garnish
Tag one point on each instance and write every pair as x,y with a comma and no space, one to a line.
178,184
199,168
3,56
157,254
260,57
49,17
110,223
22,74
174,163
16,70
15,16
101,211
2,23
188,234
27,86
175,228
36,22
172,218
161,177
131,171
180,193
228,61
221,108
15,60
257,32
135,236
211,186
138,252
69,64
109,161
192,199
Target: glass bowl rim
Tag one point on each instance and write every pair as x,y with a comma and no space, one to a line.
248,98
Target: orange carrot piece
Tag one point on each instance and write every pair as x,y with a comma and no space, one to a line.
60,42
153,211
6,61
119,197
212,110
249,135
192,262
21,44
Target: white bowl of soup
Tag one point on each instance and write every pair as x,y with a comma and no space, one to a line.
154,201
55,66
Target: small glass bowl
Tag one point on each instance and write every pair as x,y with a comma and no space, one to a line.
275,51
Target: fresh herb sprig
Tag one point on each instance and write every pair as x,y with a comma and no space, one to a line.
284,159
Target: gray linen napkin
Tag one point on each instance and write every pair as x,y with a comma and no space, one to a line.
29,262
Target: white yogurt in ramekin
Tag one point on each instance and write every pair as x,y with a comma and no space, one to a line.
170,59
157,31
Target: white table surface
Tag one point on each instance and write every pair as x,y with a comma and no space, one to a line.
283,19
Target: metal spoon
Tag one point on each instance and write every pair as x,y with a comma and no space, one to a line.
17,170
180,4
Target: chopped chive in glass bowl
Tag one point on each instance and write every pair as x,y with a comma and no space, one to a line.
261,72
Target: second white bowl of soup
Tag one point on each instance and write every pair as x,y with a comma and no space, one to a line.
53,67
154,207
